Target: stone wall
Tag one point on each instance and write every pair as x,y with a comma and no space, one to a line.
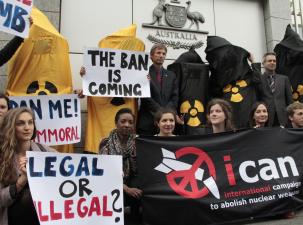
277,17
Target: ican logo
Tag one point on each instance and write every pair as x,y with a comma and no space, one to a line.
199,178
181,175
176,25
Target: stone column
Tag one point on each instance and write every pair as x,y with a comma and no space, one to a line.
277,16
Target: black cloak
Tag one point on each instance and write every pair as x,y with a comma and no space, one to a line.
232,78
193,75
290,61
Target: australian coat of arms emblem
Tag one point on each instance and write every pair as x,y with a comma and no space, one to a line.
170,20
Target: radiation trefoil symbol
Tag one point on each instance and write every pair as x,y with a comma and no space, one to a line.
186,179
235,90
298,93
192,111
45,88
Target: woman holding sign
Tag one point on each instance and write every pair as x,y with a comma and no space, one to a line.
121,141
16,134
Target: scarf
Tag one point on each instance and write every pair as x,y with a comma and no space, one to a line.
113,147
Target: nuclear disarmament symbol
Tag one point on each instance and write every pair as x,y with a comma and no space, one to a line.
184,178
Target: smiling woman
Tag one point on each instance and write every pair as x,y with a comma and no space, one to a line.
219,116
16,134
165,120
259,115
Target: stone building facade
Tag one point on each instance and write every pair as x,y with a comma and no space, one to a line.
257,25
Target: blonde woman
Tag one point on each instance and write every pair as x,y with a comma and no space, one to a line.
16,134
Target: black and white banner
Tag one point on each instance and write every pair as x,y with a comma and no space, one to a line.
116,73
216,179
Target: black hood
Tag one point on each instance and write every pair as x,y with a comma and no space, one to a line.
227,62
190,56
290,59
214,42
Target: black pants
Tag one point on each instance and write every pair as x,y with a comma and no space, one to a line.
134,203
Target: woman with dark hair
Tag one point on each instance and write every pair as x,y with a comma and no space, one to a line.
16,134
165,120
121,141
258,116
219,116
4,105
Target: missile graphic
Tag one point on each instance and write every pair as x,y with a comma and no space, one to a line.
170,163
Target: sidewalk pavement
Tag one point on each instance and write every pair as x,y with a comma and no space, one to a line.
297,220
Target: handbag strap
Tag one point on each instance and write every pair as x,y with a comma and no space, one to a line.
42,148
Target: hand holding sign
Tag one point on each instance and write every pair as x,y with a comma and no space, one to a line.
82,71
22,179
22,164
134,192
31,21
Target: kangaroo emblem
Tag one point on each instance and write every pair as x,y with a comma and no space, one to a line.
158,13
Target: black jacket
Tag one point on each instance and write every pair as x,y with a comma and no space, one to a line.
164,95
279,100
9,50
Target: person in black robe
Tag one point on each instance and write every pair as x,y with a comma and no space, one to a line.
289,54
232,78
192,74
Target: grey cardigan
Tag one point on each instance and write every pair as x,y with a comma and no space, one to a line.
5,197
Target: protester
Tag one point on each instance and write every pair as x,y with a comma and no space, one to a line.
235,77
277,92
165,119
219,116
4,106
16,134
258,115
193,77
121,141
295,114
163,88
289,60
